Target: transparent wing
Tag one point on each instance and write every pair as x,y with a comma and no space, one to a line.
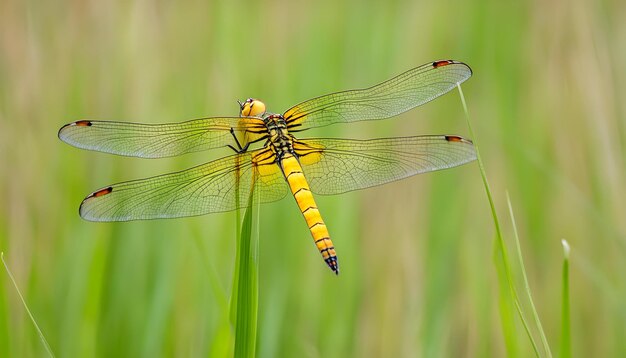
158,140
390,98
204,189
334,166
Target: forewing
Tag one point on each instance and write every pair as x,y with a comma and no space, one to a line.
390,98
334,166
208,188
159,140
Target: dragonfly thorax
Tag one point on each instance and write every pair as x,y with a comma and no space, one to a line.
278,135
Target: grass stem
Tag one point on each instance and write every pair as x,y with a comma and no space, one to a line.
566,345
544,340
500,240
32,318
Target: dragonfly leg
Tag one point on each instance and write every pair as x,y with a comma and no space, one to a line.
240,148
233,148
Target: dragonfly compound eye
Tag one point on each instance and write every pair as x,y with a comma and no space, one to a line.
252,108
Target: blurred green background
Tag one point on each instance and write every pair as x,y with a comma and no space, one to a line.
418,278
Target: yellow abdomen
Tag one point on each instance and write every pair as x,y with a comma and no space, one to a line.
302,193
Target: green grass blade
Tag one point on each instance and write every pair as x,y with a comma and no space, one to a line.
501,246
245,297
544,340
506,306
32,318
566,345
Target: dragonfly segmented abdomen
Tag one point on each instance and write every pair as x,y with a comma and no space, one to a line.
306,203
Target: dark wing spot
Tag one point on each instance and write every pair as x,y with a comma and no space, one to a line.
442,63
454,138
102,192
83,123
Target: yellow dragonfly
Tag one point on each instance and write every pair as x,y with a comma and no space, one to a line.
281,162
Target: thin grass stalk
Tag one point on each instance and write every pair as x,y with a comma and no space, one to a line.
544,340
506,306
500,240
566,343
32,318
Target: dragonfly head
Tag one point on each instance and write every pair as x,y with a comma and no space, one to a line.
252,108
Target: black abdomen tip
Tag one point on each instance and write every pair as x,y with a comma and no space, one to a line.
333,264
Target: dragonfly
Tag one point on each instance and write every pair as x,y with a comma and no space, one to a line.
281,163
